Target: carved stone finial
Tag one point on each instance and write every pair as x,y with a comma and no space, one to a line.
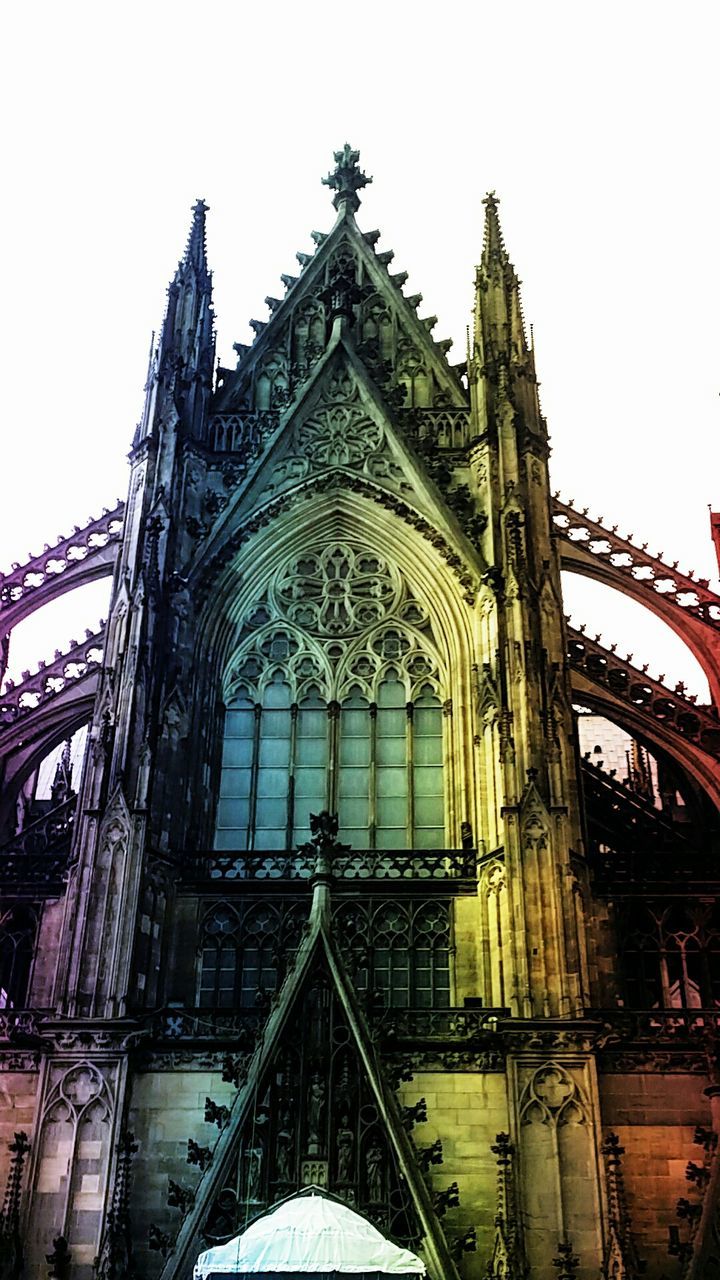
11,1251
621,1256
346,179
566,1263
323,844
59,1260
114,1261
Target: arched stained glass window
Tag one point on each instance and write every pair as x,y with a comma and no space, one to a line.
274,770
311,725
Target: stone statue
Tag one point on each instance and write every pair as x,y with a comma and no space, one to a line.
345,1145
316,1106
375,1173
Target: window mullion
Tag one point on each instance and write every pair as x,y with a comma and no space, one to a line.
372,779
333,755
410,837
252,807
291,777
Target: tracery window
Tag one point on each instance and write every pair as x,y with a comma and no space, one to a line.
672,956
334,708
399,953
18,927
245,951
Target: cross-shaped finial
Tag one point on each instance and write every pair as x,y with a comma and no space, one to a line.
347,178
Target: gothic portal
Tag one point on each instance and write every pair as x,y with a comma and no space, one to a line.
339,899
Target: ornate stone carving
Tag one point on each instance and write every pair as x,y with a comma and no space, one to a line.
341,590
551,1096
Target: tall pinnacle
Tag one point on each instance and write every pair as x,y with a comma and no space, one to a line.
494,250
195,251
346,179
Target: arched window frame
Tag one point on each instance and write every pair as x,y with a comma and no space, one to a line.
399,953
344,675
18,933
244,951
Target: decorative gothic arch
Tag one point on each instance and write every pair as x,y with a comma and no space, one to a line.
398,582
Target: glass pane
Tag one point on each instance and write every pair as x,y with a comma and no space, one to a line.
230,840
272,811
427,750
312,724
273,782
354,723
311,750
268,838
429,838
274,751
235,782
237,751
355,751
310,782
392,782
391,750
277,694
356,837
275,724
428,781
429,811
391,694
428,721
353,813
239,724
391,723
232,813
391,837
353,782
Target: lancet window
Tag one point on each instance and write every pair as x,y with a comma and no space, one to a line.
334,707
672,956
398,954
244,952
18,927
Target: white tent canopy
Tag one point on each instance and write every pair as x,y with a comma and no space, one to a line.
312,1233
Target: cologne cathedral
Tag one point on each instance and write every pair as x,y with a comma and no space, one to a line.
340,895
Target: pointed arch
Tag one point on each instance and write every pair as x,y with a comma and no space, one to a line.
245,627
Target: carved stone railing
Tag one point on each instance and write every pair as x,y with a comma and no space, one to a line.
41,837
632,685
72,560
242,433
385,865
235,1025
656,1024
650,572
457,1024
51,678
34,875
21,1026
466,1026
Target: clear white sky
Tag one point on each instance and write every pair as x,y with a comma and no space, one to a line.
596,124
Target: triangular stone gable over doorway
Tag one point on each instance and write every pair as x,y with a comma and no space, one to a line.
314,1057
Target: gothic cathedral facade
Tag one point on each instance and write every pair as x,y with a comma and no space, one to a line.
338,899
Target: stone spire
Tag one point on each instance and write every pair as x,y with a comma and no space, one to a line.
195,257
501,355
346,179
186,352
